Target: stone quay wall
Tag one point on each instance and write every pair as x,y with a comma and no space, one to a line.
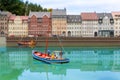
68,41
2,41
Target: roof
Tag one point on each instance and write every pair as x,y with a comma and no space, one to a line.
116,14
12,17
24,17
102,15
59,12
6,13
39,14
59,16
21,17
89,16
74,19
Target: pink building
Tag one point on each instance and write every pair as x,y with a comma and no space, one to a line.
18,26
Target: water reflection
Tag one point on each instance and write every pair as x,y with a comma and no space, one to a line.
18,64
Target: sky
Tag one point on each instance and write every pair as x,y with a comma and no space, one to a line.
78,6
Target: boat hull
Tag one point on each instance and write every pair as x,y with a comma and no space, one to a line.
29,44
23,44
47,60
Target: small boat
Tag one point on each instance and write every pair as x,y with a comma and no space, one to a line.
44,57
26,43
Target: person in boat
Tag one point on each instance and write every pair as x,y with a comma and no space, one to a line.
53,56
60,54
49,52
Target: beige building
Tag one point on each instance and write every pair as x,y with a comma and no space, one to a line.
59,22
116,17
18,26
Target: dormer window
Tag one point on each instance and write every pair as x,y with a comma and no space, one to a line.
100,17
106,17
111,21
39,20
100,21
117,15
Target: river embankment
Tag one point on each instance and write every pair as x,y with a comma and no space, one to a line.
68,41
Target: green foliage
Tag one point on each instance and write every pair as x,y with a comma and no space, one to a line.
19,7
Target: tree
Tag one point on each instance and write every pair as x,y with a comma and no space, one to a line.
19,7
50,10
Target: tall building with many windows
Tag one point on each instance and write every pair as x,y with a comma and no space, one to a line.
59,22
74,23
18,26
39,24
116,17
4,16
105,25
89,24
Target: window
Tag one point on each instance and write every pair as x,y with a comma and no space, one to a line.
116,27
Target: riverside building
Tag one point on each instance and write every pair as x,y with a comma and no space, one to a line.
4,17
74,28
116,17
39,24
59,22
89,24
18,26
105,25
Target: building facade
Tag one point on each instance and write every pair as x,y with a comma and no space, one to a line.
105,25
4,16
39,24
18,26
74,28
59,22
116,17
89,24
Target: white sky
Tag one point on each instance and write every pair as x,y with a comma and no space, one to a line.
78,6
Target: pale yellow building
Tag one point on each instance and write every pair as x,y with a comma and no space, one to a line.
18,26
59,22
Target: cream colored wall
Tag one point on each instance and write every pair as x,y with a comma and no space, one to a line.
58,26
17,28
75,29
89,28
116,17
116,27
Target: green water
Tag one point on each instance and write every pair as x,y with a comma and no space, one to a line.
85,64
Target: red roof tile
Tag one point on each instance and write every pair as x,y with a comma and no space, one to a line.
24,17
89,16
12,17
116,14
